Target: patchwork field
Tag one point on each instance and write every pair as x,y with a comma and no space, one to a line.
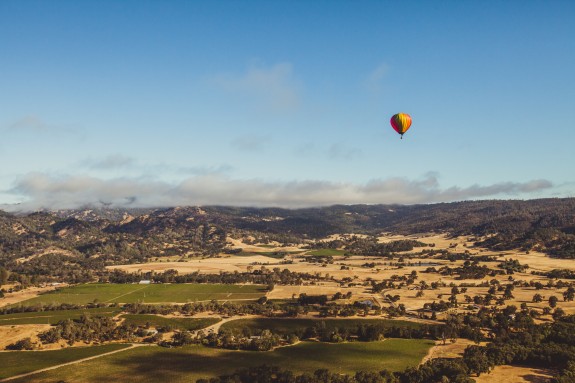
351,274
187,364
354,268
154,293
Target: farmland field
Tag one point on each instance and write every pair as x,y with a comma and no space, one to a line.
187,364
53,317
287,326
189,324
154,293
20,362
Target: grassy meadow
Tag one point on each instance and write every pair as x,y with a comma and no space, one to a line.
187,364
153,293
20,362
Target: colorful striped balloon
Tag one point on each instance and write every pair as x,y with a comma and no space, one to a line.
401,122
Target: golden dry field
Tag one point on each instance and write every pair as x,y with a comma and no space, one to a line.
384,269
23,295
11,334
515,374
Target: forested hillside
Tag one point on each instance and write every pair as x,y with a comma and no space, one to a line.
92,238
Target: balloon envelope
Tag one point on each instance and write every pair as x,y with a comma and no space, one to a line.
401,122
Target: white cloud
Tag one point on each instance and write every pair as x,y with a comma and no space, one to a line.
30,123
275,86
204,170
113,161
34,125
119,161
250,143
375,78
44,191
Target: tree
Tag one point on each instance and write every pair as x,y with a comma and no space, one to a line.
569,295
476,335
553,301
558,313
453,300
22,344
476,359
4,274
537,298
508,292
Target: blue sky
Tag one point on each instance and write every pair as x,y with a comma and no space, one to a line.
284,103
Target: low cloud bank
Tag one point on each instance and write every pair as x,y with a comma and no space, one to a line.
41,191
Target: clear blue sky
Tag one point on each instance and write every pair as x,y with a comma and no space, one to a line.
284,103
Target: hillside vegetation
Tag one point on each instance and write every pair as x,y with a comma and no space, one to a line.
85,241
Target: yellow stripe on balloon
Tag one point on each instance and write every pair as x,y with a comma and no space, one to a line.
402,121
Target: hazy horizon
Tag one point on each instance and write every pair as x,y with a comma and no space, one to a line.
27,209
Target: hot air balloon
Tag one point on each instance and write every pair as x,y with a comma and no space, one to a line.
401,122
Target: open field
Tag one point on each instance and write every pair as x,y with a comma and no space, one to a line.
23,295
53,317
20,362
515,374
189,324
448,350
287,326
255,248
226,263
323,288
187,364
12,334
154,293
